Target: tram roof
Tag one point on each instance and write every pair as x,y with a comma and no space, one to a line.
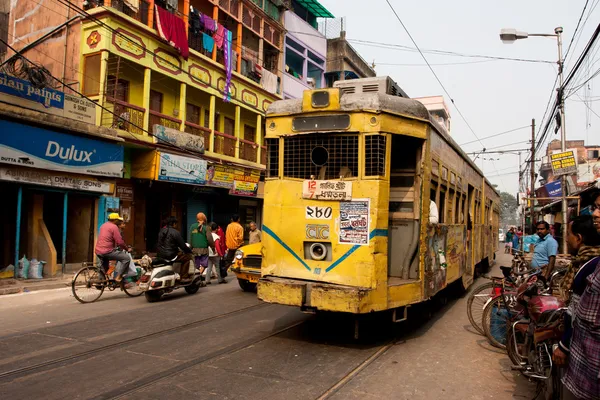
379,102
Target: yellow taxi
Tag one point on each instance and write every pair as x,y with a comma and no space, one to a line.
246,266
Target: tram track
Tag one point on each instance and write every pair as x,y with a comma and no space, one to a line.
176,329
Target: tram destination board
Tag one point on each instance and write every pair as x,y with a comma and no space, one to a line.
564,163
327,190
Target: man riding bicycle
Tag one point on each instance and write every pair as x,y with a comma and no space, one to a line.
109,240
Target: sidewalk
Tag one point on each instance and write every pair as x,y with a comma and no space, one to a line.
13,286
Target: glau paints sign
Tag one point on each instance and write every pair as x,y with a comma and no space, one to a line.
35,147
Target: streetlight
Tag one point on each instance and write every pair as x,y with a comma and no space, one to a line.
512,35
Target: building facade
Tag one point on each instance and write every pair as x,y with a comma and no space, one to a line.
438,108
179,91
305,48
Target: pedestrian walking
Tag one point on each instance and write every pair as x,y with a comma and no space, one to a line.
255,233
201,240
234,238
508,240
214,256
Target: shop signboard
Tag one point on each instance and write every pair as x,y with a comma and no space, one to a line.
554,189
564,162
22,93
180,139
176,168
222,176
34,147
245,184
47,178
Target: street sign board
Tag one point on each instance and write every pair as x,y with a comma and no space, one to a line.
564,162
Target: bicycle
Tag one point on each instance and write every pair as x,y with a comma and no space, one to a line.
90,281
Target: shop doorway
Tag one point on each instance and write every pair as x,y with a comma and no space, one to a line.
80,229
8,223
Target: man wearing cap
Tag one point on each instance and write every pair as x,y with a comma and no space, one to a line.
109,239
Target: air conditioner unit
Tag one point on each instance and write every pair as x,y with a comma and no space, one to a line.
380,84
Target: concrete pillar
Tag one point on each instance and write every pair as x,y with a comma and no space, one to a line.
182,105
238,130
102,95
259,137
211,122
239,46
216,18
146,99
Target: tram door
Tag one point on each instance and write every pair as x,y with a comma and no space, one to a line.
404,207
470,221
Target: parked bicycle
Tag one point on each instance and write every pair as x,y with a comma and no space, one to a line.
90,282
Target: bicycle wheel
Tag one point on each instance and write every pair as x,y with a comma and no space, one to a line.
88,285
515,346
477,300
131,284
496,320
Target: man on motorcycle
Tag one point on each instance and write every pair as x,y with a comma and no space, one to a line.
109,240
170,244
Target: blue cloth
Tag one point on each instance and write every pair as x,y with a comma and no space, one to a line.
544,249
515,242
208,43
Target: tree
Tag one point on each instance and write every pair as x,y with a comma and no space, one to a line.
508,209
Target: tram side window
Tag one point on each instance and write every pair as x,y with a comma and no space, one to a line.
272,158
442,205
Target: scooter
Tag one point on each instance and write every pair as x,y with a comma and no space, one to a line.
161,278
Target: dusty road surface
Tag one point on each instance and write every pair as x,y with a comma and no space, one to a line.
222,343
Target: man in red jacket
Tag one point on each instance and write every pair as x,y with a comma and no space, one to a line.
109,240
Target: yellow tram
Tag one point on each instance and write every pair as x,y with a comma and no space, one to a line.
350,176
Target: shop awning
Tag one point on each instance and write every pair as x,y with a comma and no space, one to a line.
316,8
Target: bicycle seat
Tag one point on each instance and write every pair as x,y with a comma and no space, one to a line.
506,271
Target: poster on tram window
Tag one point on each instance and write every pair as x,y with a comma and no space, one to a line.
354,222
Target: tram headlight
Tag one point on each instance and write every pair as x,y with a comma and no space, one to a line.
318,251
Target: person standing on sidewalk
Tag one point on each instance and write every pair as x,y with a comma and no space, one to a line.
234,238
214,256
582,379
545,250
109,239
201,240
255,234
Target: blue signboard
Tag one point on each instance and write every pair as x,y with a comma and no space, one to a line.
25,90
34,147
554,189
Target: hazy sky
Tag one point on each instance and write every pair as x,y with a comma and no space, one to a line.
493,96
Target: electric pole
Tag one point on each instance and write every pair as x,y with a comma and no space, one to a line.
532,195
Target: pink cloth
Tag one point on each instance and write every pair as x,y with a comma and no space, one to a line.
109,238
220,36
172,29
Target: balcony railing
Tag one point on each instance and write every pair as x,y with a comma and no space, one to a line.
248,150
225,144
125,116
157,118
198,130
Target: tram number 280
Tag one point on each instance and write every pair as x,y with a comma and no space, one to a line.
314,212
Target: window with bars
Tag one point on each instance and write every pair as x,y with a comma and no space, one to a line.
324,156
375,155
273,158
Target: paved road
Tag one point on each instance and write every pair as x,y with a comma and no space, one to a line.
223,343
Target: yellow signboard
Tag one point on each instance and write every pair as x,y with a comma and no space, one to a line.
564,163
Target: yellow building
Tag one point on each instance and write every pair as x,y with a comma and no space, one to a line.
189,145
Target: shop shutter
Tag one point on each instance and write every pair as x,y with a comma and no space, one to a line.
194,206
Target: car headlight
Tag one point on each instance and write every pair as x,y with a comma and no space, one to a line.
239,255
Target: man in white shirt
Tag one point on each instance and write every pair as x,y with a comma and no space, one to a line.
433,213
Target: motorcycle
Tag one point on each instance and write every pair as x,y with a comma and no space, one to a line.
161,278
532,338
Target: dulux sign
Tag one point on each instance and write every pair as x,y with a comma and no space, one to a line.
35,147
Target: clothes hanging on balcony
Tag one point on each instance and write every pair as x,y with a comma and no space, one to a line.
172,5
208,43
250,55
220,36
134,5
269,81
228,63
195,21
208,23
172,29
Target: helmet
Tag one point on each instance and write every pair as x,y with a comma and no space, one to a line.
114,216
